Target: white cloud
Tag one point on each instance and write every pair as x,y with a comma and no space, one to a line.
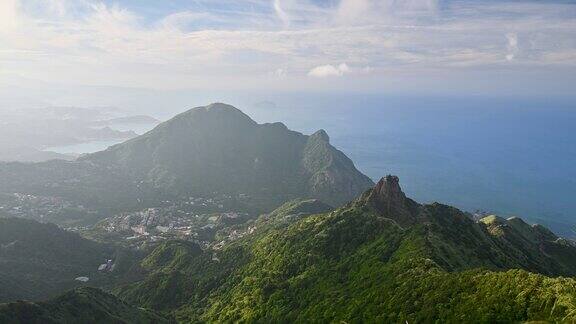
324,71
8,15
180,20
280,73
86,42
512,46
281,13
58,7
350,11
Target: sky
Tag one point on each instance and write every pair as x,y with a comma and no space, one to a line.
374,46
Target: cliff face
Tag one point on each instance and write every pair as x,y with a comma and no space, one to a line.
333,177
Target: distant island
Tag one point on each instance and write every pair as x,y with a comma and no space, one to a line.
29,136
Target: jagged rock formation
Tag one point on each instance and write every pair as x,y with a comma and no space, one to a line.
391,202
492,242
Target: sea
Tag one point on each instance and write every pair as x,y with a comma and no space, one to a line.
510,156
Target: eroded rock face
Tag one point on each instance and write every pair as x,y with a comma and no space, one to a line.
388,191
387,197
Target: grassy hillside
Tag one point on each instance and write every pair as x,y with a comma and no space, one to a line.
381,258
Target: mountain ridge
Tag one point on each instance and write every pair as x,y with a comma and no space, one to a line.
237,154
367,261
382,257
215,149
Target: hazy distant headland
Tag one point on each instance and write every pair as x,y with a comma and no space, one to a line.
33,135
507,155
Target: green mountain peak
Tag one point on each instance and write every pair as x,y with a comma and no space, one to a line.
215,149
218,148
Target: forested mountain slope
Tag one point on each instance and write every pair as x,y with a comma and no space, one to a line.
38,261
381,258
219,148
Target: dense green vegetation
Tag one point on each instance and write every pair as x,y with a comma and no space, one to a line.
38,261
382,258
83,305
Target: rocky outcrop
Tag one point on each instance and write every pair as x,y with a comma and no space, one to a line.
387,197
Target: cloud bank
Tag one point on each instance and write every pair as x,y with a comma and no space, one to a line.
207,43
324,71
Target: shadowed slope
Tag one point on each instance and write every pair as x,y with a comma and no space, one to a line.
83,305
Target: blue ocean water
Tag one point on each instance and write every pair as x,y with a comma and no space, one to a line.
509,156
95,146
81,148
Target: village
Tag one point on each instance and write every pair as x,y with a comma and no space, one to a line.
207,221
44,208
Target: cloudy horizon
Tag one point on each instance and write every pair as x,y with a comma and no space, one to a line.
386,46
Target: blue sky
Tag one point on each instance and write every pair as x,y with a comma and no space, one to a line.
376,46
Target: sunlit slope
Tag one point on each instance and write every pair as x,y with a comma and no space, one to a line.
382,257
